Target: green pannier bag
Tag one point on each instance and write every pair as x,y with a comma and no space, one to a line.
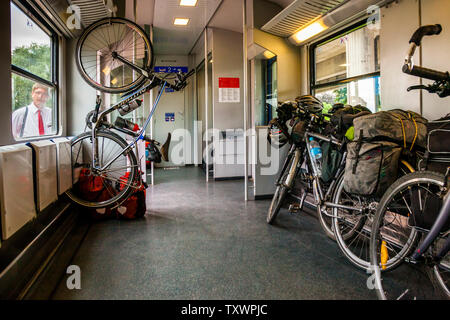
371,167
406,128
331,159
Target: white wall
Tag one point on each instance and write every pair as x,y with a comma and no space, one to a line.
228,62
398,22
80,96
436,53
173,102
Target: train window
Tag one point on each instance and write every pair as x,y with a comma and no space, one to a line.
33,77
345,68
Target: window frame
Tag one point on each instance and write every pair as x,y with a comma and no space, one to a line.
36,17
312,60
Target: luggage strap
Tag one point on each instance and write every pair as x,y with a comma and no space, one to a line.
403,130
358,148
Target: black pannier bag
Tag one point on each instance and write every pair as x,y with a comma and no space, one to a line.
342,118
437,154
425,211
371,167
438,140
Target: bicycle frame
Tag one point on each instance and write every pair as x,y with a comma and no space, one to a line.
317,188
139,135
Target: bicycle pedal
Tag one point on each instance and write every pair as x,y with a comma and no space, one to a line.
294,208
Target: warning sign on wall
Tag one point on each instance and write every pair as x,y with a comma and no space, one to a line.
229,90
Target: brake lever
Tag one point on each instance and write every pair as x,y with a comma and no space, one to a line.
418,87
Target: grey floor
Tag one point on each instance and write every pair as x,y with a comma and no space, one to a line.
202,241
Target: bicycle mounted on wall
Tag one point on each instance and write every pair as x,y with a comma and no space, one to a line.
114,55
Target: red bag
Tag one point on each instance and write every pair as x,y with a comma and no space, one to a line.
93,188
90,187
134,207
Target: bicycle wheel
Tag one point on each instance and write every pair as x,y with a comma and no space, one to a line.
394,237
97,49
102,188
352,228
281,191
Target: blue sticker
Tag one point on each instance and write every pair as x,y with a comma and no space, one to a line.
170,117
170,69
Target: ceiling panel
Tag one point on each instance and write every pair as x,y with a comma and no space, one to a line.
228,16
171,39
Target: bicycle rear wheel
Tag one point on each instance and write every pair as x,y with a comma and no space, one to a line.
353,229
102,188
96,54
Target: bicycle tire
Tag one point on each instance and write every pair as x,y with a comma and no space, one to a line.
402,183
147,64
355,244
131,167
280,194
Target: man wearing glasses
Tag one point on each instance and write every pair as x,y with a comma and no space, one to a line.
34,119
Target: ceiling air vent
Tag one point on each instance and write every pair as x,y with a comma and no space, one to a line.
91,10
298,14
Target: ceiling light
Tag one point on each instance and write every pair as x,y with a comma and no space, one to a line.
310,31
268,55
188,3
181,21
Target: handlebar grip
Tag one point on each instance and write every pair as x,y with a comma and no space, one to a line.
426,73
425,31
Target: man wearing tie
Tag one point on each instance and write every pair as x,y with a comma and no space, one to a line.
34,119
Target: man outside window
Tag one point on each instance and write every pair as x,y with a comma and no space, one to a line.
34,119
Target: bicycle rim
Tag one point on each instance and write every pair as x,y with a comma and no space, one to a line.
106,187
350,228
353,230
95,50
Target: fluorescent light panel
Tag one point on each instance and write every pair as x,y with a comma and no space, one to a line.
310,31
188,3
181,21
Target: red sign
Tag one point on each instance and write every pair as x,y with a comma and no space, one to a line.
228,82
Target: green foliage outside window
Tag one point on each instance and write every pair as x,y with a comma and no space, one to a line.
36,59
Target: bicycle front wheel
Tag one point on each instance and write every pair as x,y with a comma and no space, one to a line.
98,50
282,189
395,234
103,188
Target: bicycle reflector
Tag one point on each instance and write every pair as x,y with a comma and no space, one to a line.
384,256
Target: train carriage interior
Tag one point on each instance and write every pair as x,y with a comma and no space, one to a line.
224,150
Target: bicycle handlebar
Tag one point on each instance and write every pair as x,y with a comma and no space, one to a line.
425,73
429,30
410,68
